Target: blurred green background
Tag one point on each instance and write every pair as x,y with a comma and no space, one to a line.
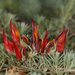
53,14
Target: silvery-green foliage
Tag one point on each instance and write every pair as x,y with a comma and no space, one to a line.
69,60
56,63
5,18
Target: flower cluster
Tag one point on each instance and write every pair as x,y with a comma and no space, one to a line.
37,45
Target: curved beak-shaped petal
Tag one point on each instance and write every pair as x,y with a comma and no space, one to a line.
24,51
35,31
14,47
60,41
25,39
49,45
60,47
8,45
44,42
35,35
60,38
15,33
18,52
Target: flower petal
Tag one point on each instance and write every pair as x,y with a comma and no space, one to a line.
18,52
8,45
35,35
16,33
60,41
24,51
60,38
35,32
49,45
60,47
13,33
67,31
44,41
25,39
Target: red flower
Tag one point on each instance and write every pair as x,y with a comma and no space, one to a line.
8,45
18,52
15,33
35,36
60,41
25,39
14,46
44,43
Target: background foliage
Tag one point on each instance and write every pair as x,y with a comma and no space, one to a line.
52,14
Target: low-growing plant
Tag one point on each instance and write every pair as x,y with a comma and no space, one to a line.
36,55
